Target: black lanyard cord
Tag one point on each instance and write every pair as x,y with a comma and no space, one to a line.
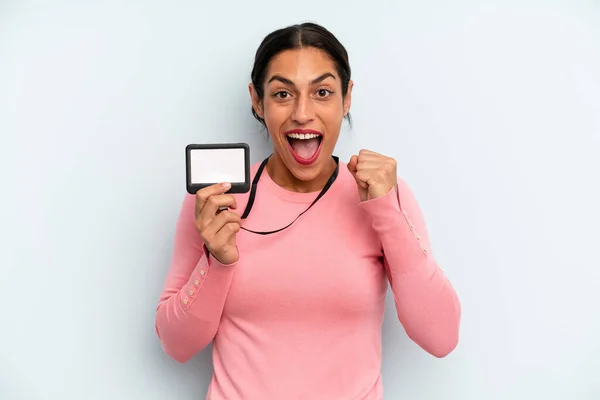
332,178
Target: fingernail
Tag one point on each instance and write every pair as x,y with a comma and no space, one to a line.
226,185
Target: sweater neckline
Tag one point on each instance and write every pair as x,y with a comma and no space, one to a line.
286,194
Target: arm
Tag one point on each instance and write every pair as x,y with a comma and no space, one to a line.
194,292
426,303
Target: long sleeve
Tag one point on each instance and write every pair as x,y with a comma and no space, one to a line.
427,305
194,292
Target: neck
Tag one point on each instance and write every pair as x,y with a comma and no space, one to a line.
282,176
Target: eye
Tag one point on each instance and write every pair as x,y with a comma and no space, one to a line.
282,94
324,92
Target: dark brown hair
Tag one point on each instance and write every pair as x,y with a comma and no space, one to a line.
296,37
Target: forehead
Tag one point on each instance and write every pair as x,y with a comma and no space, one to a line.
302,64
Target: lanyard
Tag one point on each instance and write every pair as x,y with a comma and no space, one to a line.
255,184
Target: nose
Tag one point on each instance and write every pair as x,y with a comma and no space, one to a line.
303,110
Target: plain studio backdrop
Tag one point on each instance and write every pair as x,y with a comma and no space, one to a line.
492,110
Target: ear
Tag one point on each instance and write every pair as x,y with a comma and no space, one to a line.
256,102
348,98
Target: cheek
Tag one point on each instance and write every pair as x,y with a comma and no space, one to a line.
272,120
331,140
274,114
333,118
333,111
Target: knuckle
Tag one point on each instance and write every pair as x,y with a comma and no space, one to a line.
224,217
212,200
231,216
201,194
200,200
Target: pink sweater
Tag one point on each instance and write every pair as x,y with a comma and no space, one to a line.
299,316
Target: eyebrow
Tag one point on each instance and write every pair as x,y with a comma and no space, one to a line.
313,82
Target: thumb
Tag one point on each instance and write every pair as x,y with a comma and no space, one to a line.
352,165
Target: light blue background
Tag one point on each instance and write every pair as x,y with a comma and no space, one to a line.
492,110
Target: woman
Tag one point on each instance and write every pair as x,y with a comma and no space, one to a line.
296,313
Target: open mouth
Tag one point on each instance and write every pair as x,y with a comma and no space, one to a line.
305,146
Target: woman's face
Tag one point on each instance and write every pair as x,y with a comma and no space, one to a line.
303,110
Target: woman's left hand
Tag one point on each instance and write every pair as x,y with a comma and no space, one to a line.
375,174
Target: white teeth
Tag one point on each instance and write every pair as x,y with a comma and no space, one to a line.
303,135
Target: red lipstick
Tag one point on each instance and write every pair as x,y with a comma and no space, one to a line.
300,159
